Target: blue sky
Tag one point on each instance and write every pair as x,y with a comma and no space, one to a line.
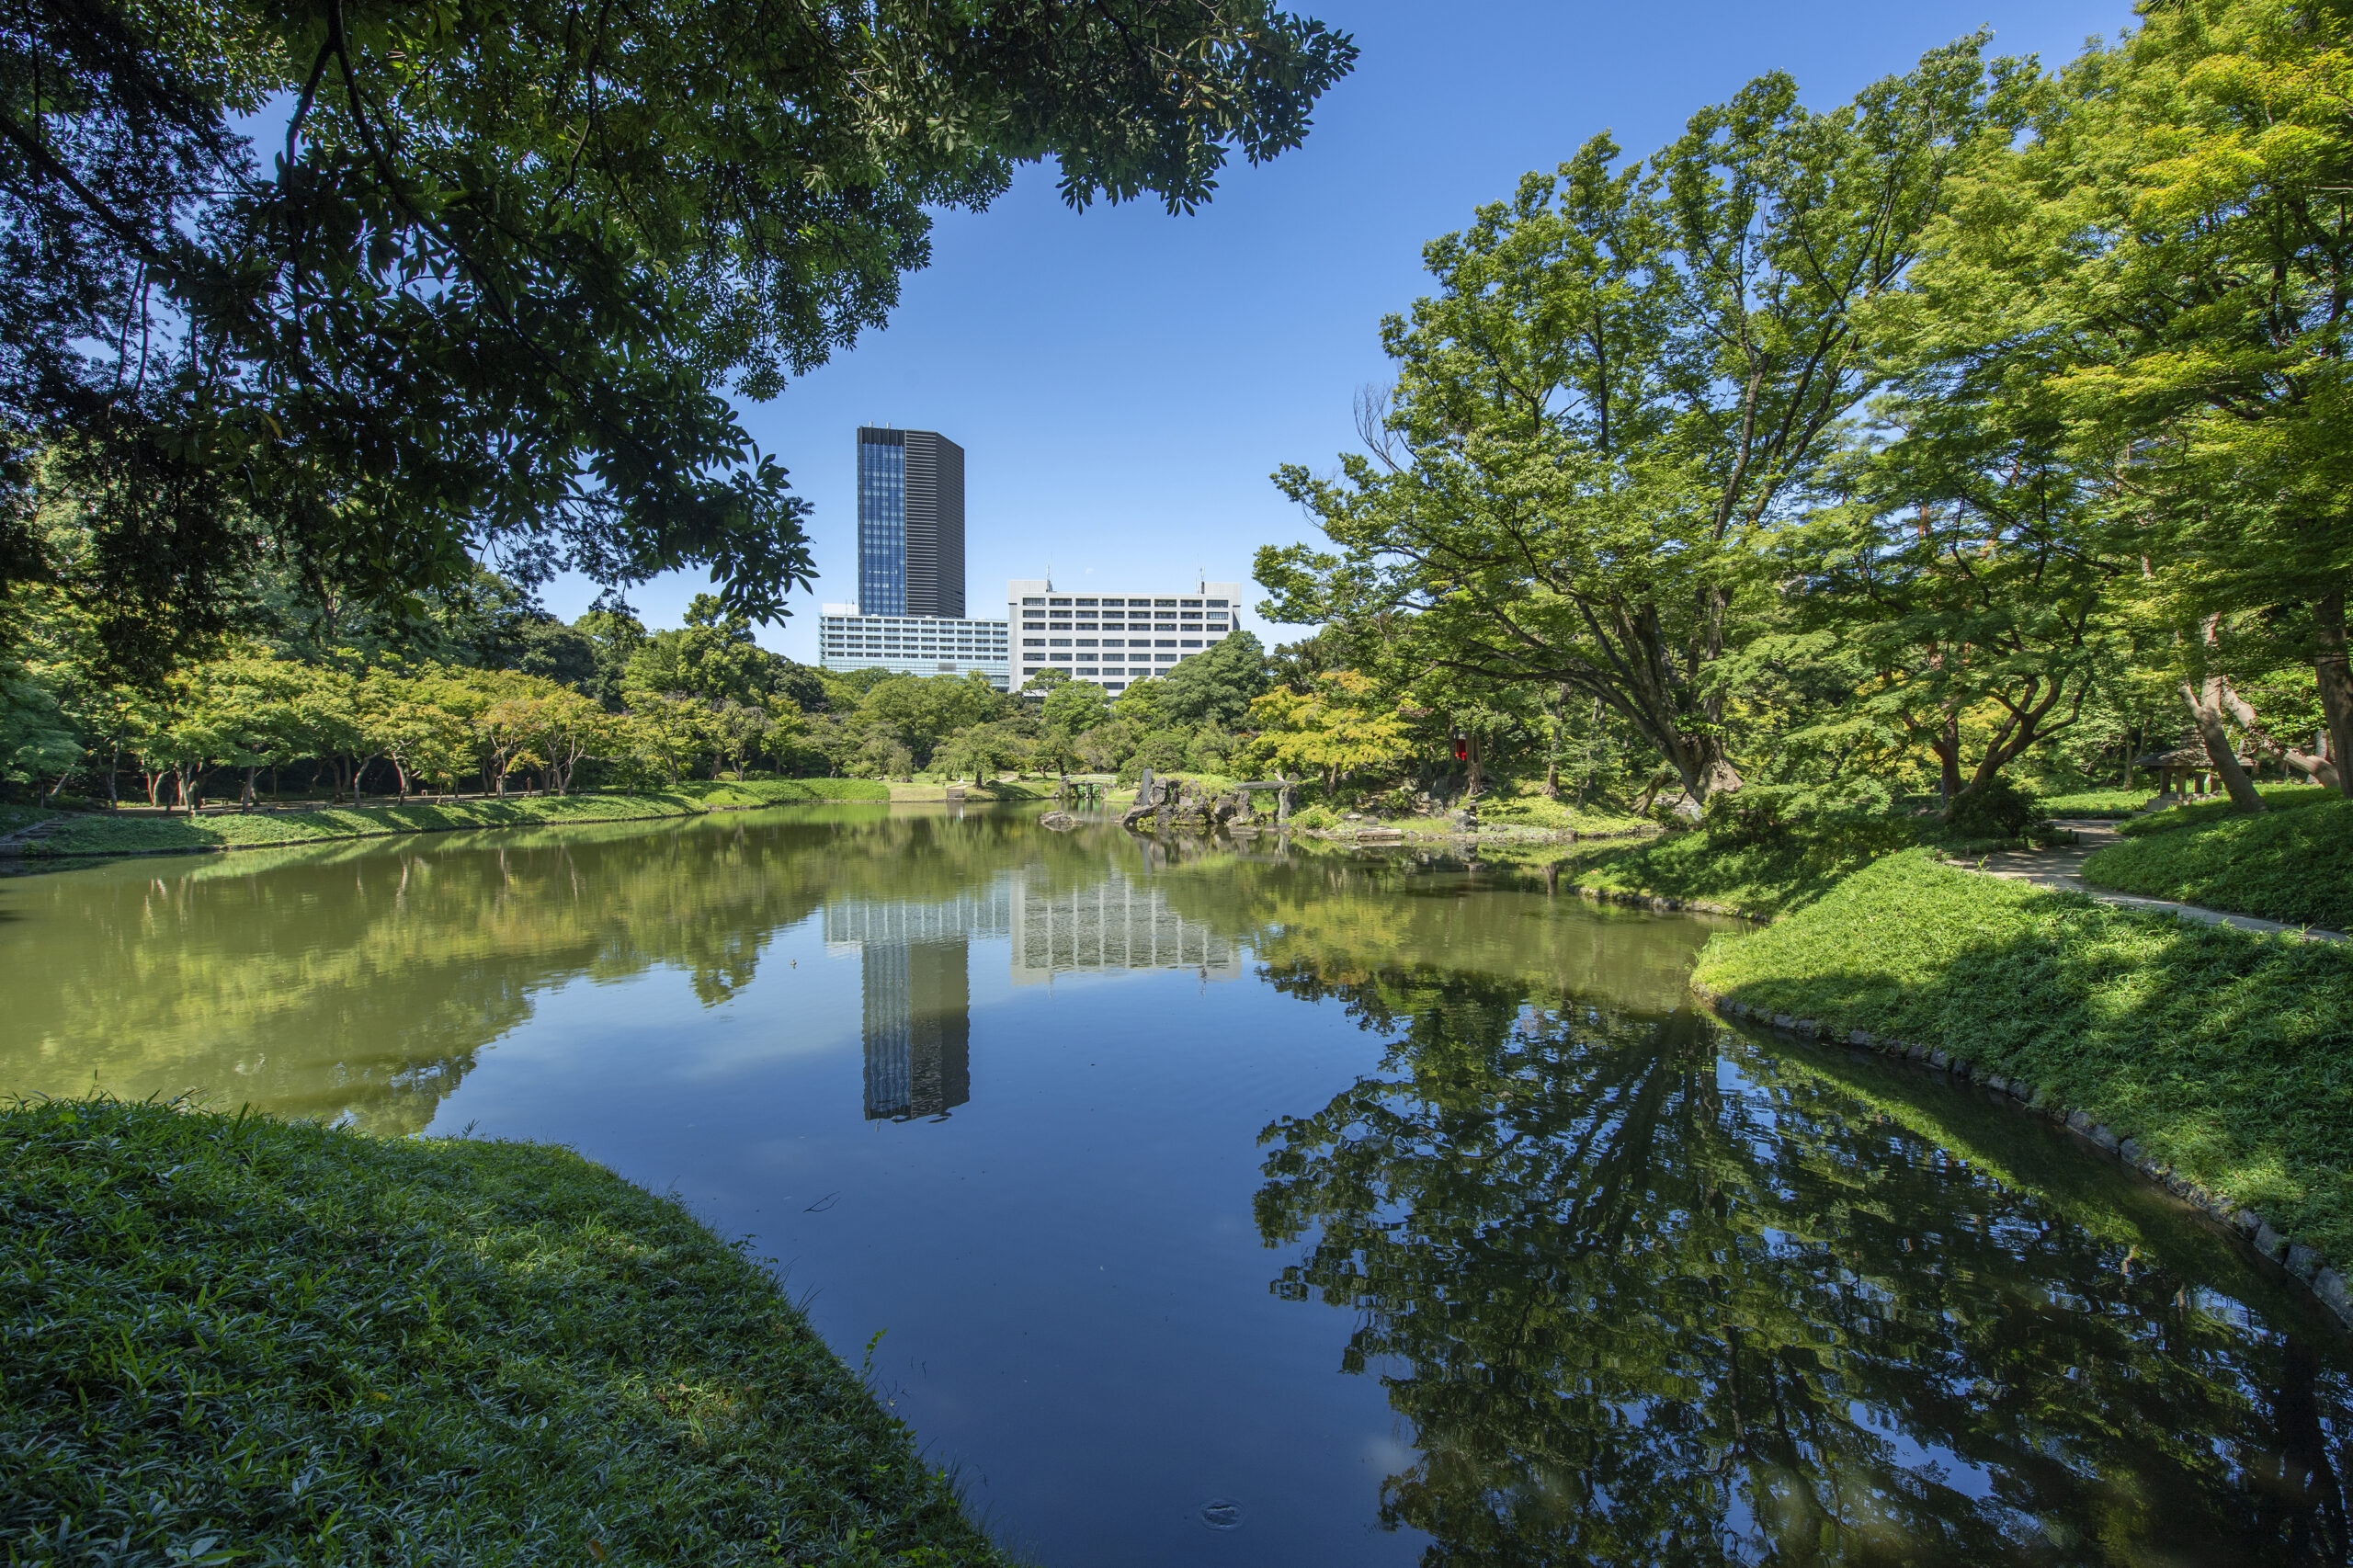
1123,381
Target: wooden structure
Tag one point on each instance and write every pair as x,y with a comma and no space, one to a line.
2185,772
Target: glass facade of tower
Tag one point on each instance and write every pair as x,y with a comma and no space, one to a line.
883,522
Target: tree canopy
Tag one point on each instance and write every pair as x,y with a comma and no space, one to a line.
482,288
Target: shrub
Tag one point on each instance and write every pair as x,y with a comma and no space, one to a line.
1996,808
1314,818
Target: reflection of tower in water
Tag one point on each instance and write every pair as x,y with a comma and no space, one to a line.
916,992
918,1028
916,995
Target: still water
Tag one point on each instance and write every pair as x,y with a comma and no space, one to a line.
1263,1207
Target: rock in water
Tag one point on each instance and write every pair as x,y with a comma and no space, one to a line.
1061,822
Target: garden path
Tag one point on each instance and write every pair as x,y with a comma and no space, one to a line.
2061,866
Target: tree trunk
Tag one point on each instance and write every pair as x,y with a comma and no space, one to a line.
2205,702
246,800
1946,745
2313,765
2335,675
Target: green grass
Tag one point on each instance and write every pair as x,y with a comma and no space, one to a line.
101,833
12,817
234,1339
2292,866
1562,817
787,791
2228,1055
2096,802
2277,796
1761,881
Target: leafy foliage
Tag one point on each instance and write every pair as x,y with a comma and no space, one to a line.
493,292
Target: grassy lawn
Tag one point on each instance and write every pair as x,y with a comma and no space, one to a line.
2277,796
2096,802
232,1339
98,832
2226,1054
1535,810
2292,866
1760,881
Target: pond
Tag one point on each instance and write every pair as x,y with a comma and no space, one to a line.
1265,1205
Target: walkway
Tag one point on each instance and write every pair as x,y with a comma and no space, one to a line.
2063,866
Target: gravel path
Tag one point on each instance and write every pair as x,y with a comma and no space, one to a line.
2063,866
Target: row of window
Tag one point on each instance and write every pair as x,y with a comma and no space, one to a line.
1140,604
1111,643
1029,660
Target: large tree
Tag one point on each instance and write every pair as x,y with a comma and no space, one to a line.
489,284
1626,377
2176,239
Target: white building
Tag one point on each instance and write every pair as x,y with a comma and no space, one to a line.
1114,639
911,644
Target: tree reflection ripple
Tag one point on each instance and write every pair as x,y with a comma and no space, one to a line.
1647,1292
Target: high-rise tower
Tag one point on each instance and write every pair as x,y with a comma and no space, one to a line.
910,523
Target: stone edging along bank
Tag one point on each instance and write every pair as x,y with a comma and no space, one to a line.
2302,1262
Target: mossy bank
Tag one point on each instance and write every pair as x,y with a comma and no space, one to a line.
98,833
2218,1060
232,1339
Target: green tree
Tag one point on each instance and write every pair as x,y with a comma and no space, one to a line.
1073,707
2174,239
1216,685
921,712
1628,378
623,216
1344,726
1973,575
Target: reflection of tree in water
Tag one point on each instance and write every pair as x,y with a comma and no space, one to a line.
1645,1305
361,981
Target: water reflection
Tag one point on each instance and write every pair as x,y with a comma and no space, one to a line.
1646,1293
1604,1283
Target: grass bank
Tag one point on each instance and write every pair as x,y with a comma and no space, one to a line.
229,1338
2226,1055
1760,881
98,832
2291,866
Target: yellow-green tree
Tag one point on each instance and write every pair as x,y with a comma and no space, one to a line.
1341,725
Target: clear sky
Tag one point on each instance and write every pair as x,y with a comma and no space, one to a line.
1123,381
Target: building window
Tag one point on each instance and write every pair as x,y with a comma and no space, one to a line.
1164,641
1164,658
1217,603
1088,658
1033,601
1192,604
1059,658
1115,686
1086,601
1057,641
1191,643
1033,641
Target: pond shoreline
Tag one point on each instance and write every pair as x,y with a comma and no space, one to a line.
1805,1004
119,837
606,1367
